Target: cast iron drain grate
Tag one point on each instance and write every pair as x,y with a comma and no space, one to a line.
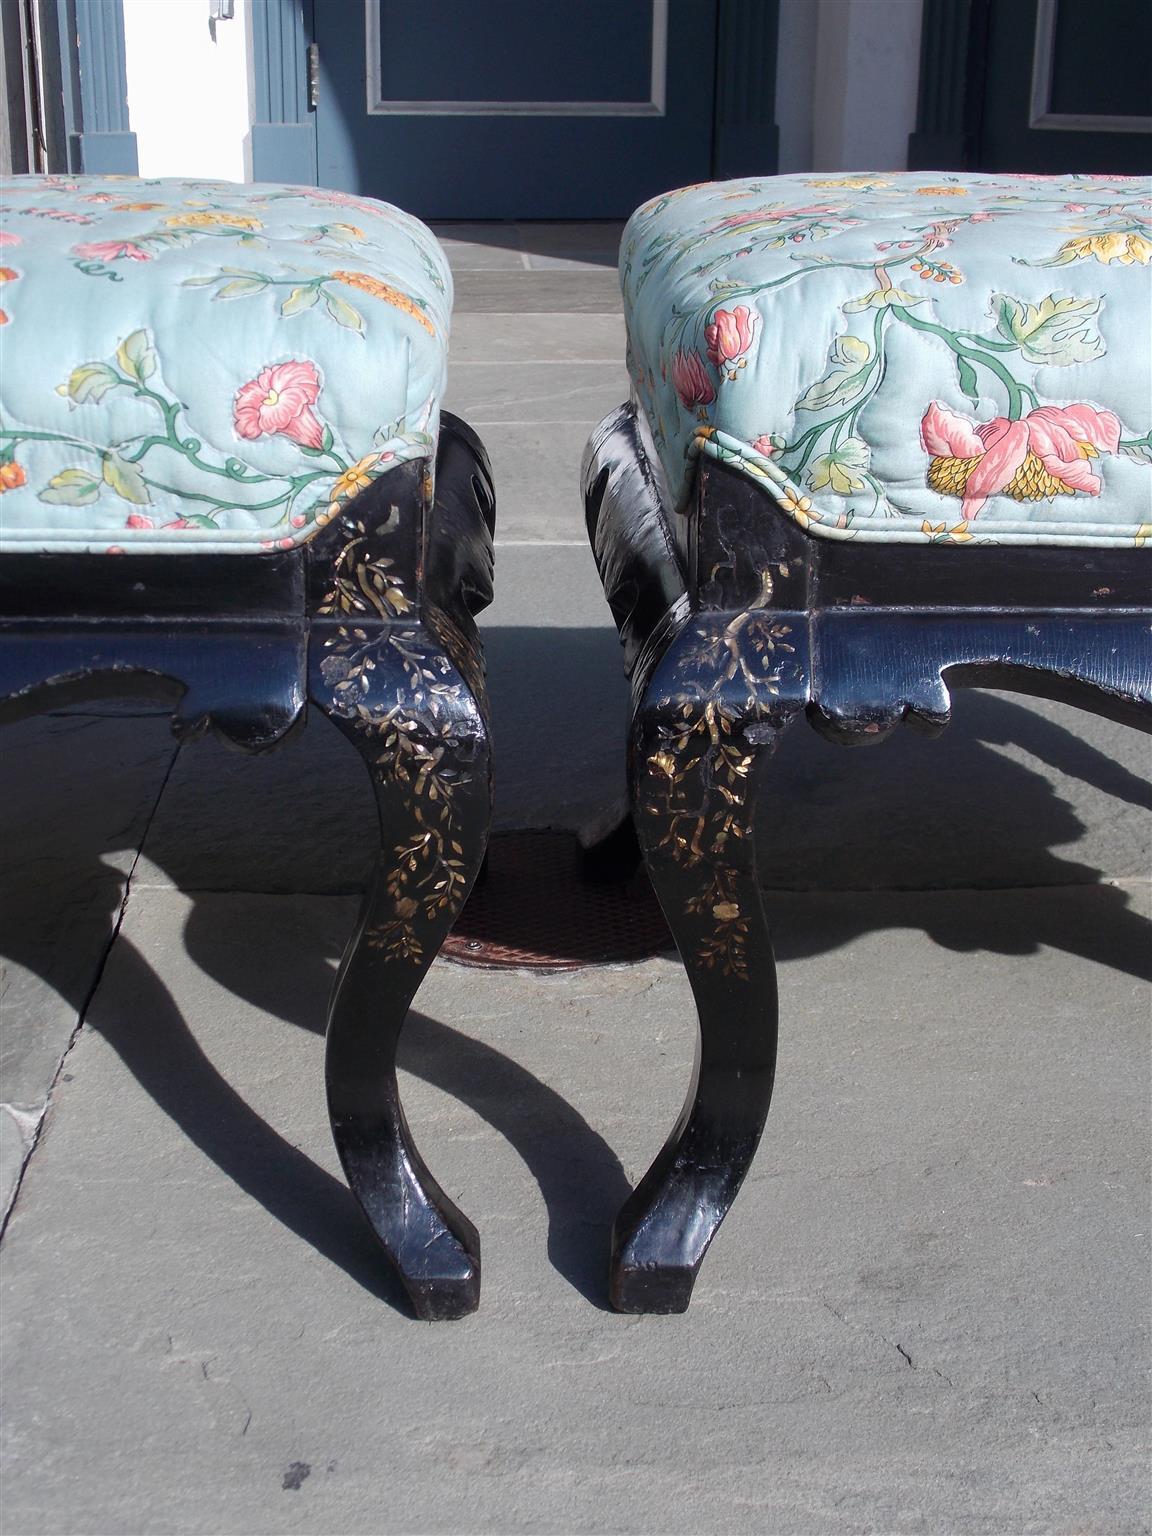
537,911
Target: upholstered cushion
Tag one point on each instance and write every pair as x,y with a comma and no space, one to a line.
905,357
199,366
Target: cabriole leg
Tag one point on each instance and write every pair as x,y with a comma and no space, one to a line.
406,708
700,740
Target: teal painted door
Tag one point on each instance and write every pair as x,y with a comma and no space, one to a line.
515,109
1067,87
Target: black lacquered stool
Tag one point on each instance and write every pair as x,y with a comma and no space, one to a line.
227,481
839,493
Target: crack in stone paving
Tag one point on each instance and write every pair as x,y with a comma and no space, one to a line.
891,1343
40,1116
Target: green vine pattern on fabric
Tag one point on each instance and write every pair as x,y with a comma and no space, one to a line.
280,413
698,334
132,468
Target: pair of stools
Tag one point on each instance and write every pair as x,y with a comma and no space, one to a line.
888,434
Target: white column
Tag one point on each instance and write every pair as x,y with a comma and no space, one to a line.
846,85
188,98
867,64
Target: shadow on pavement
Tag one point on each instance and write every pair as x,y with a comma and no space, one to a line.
580,1178
972,809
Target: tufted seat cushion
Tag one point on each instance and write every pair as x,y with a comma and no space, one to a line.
906,357
200,366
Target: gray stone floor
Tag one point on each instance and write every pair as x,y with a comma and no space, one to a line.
928,1311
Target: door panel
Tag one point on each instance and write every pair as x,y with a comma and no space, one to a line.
485,64
514,109
1068,87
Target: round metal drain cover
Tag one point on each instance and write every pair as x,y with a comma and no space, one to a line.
536,910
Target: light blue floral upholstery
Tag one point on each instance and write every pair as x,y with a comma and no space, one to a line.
957,359
199,366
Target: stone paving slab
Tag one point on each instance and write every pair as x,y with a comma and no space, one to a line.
498,394
76,795
543,262
594,291
489,338
539,499
480,247
928,1311
469,254
585,241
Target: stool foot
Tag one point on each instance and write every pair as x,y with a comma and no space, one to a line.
664,1229
655,1287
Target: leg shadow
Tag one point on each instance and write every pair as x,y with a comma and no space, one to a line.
579,1176
155,1044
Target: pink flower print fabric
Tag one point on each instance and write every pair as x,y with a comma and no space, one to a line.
905,357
